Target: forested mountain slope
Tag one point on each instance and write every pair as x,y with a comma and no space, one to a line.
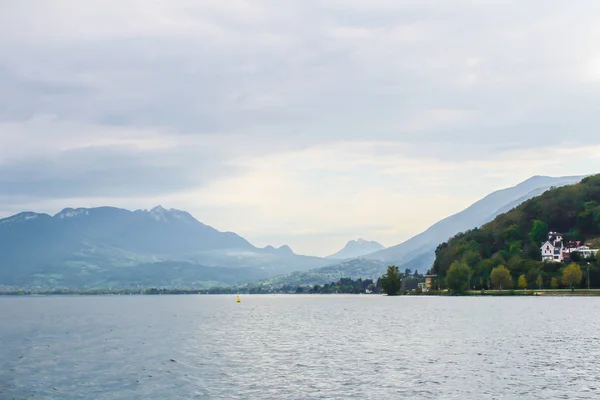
513,239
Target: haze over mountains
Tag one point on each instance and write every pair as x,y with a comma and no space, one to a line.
112,247
356,248
418,252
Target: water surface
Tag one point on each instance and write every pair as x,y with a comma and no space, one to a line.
299,347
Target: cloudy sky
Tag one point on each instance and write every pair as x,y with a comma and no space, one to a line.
308,123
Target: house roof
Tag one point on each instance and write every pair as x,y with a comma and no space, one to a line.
547,242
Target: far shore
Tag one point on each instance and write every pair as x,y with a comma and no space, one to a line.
137,292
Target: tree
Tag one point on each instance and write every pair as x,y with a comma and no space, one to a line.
531,277
501,277
539,281
485,269
533,252
391,282
554,284
457,277
514,248
539,232
572,275
522,282
590,218
471,258
575,256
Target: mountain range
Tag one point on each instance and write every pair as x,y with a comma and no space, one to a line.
113,247
102,246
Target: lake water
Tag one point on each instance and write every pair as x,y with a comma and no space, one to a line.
299,347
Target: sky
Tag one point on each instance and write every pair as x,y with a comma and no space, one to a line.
307,123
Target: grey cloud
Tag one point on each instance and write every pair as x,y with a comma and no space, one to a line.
299,74
109,172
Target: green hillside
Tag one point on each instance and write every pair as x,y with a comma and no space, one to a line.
513,239
354,269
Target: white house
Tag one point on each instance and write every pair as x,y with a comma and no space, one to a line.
585,251
554,250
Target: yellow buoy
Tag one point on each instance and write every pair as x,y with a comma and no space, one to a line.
238,299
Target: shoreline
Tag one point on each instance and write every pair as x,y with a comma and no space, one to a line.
168,292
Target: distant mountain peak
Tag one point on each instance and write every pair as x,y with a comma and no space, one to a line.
282,250
72,212
357,248
161,214
21,217
542,180
158,213
285,249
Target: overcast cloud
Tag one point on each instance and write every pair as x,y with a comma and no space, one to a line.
308,123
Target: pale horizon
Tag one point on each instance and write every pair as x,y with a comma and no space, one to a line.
327,252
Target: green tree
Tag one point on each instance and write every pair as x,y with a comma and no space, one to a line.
485,270
472,258
539,281
522,282
514,248
554,284
533,252
391,282
572,275
531,277
501,278
539,232
589,219
511,234
457,277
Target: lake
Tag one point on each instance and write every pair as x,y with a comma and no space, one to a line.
299,347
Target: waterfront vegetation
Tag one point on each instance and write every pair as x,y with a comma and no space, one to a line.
326,289
343,285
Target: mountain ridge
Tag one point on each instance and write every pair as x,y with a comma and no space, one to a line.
101,242
513,239
480,212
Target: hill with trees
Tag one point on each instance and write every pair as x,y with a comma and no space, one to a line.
419,251
513,239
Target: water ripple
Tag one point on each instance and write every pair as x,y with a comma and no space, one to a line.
298,347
